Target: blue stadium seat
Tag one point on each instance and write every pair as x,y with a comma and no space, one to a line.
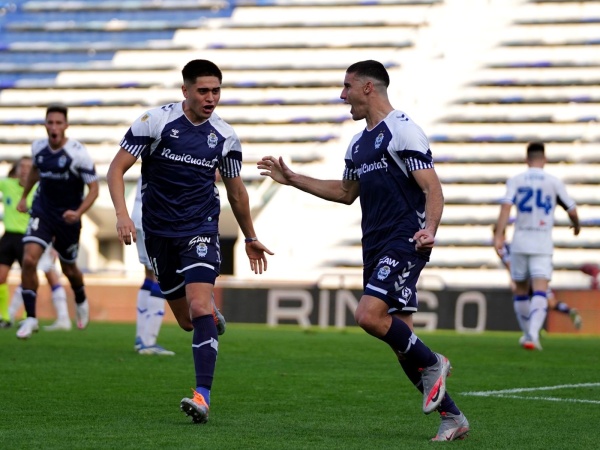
74,36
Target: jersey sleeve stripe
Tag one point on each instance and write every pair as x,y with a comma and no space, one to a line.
89,177
350,174
417,164
231,168
134,149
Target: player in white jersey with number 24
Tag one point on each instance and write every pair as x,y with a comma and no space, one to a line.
535,194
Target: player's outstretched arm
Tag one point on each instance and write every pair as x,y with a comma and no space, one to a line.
240,206
340,191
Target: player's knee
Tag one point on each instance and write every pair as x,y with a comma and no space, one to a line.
29,262
365,320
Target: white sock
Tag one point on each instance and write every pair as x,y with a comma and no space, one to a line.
16,302
154,318
522,307
142,310
59,299
537,317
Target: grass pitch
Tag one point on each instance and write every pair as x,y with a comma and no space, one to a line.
289,388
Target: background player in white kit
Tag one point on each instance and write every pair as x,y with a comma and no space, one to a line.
535,194
554,303
150,301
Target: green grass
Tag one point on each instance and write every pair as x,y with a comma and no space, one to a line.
287,388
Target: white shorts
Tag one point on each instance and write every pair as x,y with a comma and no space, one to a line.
136,217
141,248
524,267
47,261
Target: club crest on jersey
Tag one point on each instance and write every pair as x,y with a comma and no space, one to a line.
383,272
62,161
379,140
201,249
174,133
212,140
356,148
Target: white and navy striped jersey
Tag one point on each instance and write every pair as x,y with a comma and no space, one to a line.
63,176
179,164
382,160
535,194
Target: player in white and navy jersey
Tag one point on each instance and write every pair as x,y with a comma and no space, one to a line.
383,160
182,145
535,194
389,166
63,168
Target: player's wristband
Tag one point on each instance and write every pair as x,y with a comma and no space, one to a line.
252,239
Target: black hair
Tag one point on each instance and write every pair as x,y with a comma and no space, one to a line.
535,149
370,69
57,108
200,68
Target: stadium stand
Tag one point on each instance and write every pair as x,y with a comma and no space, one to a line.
537,82
530,74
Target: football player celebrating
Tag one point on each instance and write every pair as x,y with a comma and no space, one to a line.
63,168
182,145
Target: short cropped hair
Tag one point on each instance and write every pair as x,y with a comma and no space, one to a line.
57,108
200,68
370,69
535,150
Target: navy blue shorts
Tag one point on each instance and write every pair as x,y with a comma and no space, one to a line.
393,277
64,236
180,261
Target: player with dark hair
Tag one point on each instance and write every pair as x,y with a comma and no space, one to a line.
63,168
535,194
182,145
390,167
